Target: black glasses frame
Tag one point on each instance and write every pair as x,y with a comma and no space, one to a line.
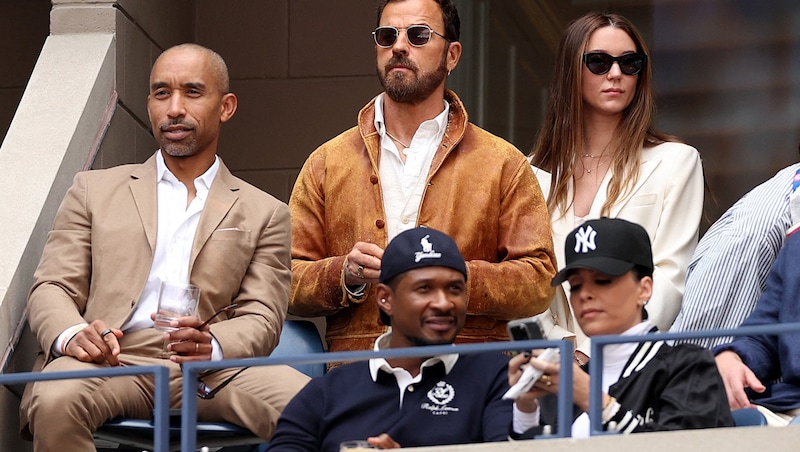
629,63
206,393
414,35
203,391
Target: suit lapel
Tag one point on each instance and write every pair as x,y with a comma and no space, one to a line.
221,197
646,170
144,191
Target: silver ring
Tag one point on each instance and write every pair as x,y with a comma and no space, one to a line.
360,272
106,332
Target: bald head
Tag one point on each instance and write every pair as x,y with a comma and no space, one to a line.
216,65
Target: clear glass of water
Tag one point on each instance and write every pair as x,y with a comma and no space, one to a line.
175,300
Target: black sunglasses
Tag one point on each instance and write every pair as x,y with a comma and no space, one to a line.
600,63
417,35
206,393
203,391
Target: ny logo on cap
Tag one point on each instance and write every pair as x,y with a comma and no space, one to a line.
427,250
584,240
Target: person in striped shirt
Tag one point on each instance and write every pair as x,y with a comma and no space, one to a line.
728,271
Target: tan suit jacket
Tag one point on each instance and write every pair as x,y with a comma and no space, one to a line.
100,250
667,201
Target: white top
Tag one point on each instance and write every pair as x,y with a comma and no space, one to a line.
403,184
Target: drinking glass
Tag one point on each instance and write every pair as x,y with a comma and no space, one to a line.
355,446
175,300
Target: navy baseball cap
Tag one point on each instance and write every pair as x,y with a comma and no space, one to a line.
608,245
420,247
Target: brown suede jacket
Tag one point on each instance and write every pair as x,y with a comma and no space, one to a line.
481,191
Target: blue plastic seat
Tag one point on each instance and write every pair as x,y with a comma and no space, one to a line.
748,417
297,337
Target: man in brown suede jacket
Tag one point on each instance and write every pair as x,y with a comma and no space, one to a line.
415,160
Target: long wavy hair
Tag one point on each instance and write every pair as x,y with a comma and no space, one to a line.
561,138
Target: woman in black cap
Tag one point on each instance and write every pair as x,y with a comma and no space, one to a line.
648,386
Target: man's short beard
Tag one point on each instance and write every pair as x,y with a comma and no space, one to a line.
179,149
402,88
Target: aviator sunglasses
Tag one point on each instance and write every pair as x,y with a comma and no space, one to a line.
600,63
417,35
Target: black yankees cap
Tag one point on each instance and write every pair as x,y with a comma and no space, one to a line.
608,245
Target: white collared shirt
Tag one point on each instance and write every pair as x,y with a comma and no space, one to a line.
403,377
177,225
403,184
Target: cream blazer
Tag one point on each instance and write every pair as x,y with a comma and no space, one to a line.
667,201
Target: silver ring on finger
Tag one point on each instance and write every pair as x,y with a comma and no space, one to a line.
106,332
360,272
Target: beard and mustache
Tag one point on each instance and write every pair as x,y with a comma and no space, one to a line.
179,149
411,88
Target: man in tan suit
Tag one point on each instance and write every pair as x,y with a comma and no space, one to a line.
181,216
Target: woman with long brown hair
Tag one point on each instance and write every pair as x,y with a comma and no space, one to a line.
598,154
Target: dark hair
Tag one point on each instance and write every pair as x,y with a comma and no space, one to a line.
452,23
640,272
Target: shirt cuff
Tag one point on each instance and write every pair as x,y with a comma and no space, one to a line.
356,292
60,345
216,350
523,422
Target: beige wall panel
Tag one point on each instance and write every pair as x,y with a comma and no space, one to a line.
252,35
279,123
338,46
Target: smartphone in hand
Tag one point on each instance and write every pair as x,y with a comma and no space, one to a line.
525,329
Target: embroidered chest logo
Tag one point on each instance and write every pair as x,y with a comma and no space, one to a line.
584,240
427,250
440,396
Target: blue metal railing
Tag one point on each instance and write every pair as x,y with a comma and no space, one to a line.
191,371
598,342
161,374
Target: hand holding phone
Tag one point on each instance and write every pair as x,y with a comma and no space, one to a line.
531,374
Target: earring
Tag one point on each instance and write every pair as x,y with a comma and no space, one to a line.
383,300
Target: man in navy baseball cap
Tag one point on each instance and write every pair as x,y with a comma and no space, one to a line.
424,253
428,400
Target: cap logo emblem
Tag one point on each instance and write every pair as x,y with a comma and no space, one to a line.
427,250
584,240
